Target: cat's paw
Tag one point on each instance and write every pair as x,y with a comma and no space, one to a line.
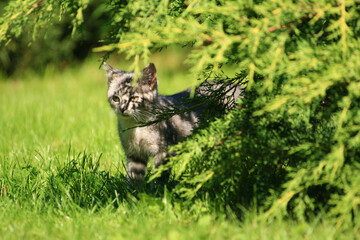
136,171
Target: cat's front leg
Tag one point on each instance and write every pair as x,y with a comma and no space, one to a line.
136,169
159,158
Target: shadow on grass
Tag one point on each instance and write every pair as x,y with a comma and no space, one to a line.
79,182
82,182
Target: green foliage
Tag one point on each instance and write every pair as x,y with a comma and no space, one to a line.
292,145
34,34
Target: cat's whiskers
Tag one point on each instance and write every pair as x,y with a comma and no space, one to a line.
136,117
142,115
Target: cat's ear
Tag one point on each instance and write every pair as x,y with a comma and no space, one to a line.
109,71
148,76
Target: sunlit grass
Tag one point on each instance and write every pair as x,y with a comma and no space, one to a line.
49,113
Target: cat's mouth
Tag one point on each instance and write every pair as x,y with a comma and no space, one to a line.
125,113
137,115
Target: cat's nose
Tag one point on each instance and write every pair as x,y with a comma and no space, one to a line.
122,109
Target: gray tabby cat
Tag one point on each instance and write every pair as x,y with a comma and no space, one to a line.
136,104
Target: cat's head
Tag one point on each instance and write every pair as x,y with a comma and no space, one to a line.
128,100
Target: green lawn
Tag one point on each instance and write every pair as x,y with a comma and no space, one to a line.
53,130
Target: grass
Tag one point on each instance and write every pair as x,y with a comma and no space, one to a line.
62,170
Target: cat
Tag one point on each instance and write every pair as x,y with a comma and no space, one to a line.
136,104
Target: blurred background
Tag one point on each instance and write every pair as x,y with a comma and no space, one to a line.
57,46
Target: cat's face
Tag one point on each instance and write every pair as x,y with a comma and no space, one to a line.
127,100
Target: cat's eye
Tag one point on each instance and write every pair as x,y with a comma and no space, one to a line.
116,99
135,99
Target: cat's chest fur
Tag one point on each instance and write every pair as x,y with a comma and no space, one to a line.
145,142
140,142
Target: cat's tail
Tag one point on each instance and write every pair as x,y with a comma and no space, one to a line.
225,93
